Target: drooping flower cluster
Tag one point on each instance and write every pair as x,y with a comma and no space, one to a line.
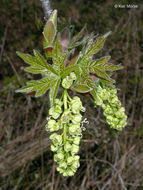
66,144
111,105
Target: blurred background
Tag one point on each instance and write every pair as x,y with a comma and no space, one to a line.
110,160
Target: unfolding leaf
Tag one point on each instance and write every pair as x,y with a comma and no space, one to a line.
65,37
50,30
87,80
111,67
58,56
77,37
68,70
36,70
93,47
100,62
107,82
101,73
74,60
81,88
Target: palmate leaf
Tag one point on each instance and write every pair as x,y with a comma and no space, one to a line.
86,79
58,56
102,64
68,70
75,41
40,86
38,63
99,66
95,46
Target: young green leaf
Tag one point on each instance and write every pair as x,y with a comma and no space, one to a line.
53,91
40,86
81,88
58,56
38,63
76,38
68,70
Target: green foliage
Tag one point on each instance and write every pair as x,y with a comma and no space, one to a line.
82,65
81,74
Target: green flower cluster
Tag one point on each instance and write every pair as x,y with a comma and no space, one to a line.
115,114
66,144
68,81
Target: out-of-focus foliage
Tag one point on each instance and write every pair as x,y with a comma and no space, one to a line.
111,162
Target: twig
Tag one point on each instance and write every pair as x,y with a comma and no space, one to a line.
3,42
47,8
13,68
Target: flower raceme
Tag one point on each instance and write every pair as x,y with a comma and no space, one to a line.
65,116
77,74
113,111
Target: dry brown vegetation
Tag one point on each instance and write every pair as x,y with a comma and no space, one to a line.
110,160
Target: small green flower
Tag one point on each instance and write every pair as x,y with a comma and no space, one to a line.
67,83
70,160
65,116
98,101
67,147
54,148
54,114
70,172
58,109
76,140
63,165
58,102
72,129
60,156
74,149
72,76
76,118
56,139
75,164
76,105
